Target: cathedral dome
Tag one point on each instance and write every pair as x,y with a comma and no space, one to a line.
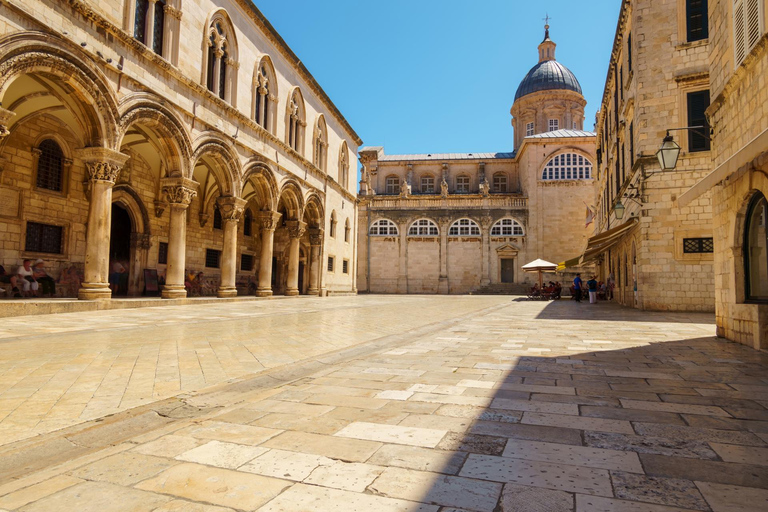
545,76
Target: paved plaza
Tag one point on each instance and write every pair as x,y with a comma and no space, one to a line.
380,403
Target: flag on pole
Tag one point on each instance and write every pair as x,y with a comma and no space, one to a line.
590,216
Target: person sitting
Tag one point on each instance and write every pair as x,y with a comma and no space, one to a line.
70,279
9,279
46,282
25,275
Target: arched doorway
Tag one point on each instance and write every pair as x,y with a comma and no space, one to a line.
120,249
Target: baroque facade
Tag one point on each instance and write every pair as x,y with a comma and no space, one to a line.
170,137
659,253
459,222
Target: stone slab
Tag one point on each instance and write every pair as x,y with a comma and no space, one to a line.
231,432
169,446
222,455
698,434
397,434
479,413
124,468
436,422
586,503
733,498
741,454
532,406
528,432
649,444
350,450
706,471
573,455
707,410
577,422
617,413
323,499
98,497
188,506
287,465
521,498
348,476
38,491
673,492
421,459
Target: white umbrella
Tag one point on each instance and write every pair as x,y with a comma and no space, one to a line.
540,266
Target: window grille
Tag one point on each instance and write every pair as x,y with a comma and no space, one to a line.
246,262
464,227
507,227
43,238
345,266
698,245
212,258
162,253
383,227
423,227
462,184
50,166
567,166
330,263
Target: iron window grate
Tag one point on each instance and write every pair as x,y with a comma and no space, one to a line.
212,258
43,238
698,245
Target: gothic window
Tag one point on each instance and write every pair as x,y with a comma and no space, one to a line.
383,227
321,143
347,230
50,166
296,122
247,223
748,27
344,165
423,227
464,227
428,184
567,166
756,250
696,21
529,129
152,22
158,26
393,185
264,95
462,184
499,183
554,124
221,59
507,227
140,21
332,231
697,104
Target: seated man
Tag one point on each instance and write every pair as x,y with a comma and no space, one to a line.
45,281
26,277
9,279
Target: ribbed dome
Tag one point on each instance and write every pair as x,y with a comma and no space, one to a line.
546,76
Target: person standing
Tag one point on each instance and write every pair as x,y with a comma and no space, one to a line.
577,286
592,287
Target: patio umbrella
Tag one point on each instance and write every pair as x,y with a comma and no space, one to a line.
540,266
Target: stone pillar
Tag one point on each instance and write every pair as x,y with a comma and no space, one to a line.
140,243
402,274
296,229
149,25
442,286
179,193
485,226
268,221
103,166
315,243
231,209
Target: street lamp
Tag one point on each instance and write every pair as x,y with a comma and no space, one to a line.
668,153
618,210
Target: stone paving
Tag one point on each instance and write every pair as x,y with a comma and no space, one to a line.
457,404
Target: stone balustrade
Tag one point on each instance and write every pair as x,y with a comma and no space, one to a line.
437,202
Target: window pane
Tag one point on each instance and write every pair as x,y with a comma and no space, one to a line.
49,166
212,257
140,20
696,19
43,238
756,251
697,103
157,29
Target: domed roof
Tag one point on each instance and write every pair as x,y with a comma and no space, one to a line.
546,76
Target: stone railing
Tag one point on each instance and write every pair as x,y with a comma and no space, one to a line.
470,201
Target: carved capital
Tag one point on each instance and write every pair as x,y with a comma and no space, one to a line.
231,208
269,219
315,237
5,120
103,164
296,228
179,191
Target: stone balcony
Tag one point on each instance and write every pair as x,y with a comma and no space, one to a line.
437,202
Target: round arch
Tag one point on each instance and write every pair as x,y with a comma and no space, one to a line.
293,200
260,177
228,173
313,211
564,151
507,226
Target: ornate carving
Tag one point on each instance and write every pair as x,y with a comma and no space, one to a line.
179,191
203,218
268,220
160,207
405,189
296,228
5,120
315,237
102,171
231,208
444,188
103,164
485,188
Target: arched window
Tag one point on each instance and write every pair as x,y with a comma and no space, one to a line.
154,23
499,183
464,227
247,223
462,184
567,166
50,166
264,95
332,231
221,59
427,184
756,250
217,221
347,230
423,227
344,165
296,121
321,143
393,185
507,227
383,227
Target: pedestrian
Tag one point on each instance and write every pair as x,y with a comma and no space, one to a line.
592,287
577,288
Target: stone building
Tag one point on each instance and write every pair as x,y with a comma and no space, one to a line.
170,137
660,254
456,223
738,181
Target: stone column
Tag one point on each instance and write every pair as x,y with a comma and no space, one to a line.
268,221
103,166
140,244
315,243
179,193
231,209
485,226
442,286
149,32
296,229
402,274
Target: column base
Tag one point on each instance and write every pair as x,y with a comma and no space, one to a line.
94,291
264,293
174,292
291,292
313,291
226,292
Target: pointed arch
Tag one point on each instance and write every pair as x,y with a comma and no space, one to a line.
320,144
265,94
344,165
220,56
295,120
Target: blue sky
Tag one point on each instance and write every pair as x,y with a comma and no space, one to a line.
434,76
